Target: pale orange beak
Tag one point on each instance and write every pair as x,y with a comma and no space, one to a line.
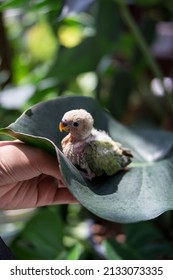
63,127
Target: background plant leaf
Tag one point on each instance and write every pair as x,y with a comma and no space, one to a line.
36,241
69,56
138,243
142,193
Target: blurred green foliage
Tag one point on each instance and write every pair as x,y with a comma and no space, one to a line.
112,51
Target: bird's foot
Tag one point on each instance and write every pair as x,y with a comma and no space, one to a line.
88,175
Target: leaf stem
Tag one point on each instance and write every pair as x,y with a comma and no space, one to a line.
128,19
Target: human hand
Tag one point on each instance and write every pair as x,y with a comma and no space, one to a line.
29,177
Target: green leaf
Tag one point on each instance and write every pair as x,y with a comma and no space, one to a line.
11,4
74,253
120,90
70,56
36,241
118,251
142,241
141,193
28,5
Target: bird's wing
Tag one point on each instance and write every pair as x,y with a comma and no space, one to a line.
106,157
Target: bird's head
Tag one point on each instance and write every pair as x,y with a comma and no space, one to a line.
78,123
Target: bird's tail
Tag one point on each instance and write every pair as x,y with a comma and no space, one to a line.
127,152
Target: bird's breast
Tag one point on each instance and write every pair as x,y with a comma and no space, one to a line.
74,152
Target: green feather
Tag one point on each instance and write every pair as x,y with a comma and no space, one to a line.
106,157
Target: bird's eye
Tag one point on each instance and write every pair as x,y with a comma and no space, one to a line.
75,124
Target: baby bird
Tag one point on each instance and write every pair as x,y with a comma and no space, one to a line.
92,151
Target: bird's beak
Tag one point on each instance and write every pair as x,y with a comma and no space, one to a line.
62,127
